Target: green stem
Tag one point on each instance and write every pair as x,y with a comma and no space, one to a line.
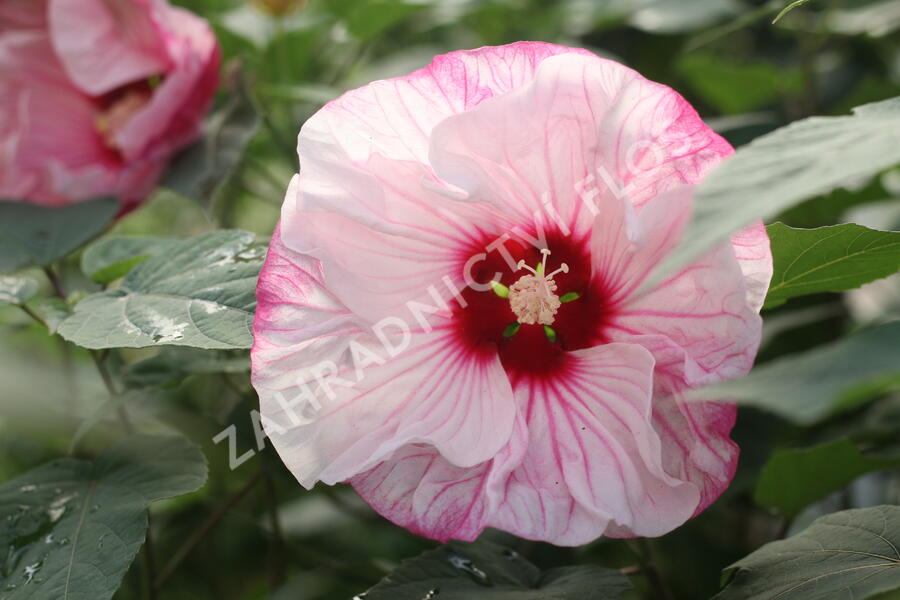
276,182
808,48
149,591
33,315
739,23
785,528
276,547
645,556
284,146
72,398
788,9
197,536
106,376
55,282
348,64
334,496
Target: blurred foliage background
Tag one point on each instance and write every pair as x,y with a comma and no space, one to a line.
253,532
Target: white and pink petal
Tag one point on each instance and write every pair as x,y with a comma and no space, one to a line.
391,247
704,310
419,489
582,127
338,399
362,416
594,463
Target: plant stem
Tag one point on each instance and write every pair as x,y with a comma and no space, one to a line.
149,590
334,496
55,282
810,44
284,146
32,314
197,536
100,362
645,556
69,374
68,366
788,9
785,528
712,35
276,546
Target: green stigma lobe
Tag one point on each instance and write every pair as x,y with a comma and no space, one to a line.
511,329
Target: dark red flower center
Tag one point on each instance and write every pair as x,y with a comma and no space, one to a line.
486,323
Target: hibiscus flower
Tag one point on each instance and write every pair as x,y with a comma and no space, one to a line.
455,315
97,96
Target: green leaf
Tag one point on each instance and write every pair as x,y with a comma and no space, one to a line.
112,258
829,259
848,554
486,571
72,527
174,364
16,290
778,170
41,235
202,169
198,292
808,387
794,479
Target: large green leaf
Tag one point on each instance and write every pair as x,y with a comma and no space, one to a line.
16,289
198,292
71,528
486,571
112,258
200,170
778,170
808,387
41,235
829,259
794,479
849,554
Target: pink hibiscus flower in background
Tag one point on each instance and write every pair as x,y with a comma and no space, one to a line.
96,96
452,316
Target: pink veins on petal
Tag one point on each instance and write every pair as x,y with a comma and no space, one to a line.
452,315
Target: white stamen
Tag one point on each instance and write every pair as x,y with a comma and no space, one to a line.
532,297
521,265
563,268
